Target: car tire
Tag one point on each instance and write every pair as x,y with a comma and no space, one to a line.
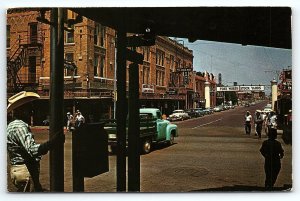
146,146
172,139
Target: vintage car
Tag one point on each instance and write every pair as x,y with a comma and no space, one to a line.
178,115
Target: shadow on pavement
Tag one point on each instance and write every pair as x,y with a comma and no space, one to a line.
244,188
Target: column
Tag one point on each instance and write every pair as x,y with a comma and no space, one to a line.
207,94
274,92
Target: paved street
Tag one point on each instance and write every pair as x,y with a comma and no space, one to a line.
212,153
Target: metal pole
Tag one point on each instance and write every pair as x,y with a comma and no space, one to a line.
57,99
78,179
115,81
133,130
121,111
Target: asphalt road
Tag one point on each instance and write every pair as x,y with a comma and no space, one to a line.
212,153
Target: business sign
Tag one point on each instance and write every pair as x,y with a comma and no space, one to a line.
241,88
252,88
233,88
184,69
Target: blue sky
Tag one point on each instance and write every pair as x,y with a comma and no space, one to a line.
237,63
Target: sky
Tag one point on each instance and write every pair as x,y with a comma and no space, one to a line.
242,64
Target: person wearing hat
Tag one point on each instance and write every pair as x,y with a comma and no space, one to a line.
24,153
258,120
248,120
272,151
70,119
79,119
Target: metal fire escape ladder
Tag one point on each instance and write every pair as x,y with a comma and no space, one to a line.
19,59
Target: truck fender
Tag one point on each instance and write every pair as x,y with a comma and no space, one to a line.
171,129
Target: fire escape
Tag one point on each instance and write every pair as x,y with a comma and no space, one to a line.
25,53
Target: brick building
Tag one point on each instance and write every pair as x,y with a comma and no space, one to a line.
90,86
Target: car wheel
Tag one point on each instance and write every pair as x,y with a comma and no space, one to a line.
146,146
172,139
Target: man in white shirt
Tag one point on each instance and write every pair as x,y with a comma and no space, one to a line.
248,120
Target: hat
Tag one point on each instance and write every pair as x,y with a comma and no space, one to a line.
20,99
258,111
68,112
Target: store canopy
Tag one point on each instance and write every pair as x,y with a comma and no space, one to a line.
259,26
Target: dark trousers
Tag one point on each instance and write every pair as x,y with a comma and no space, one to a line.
258,129
247,127
272,170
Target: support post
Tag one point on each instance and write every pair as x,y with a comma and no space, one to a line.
57,99
134,130
207,94
274,92
121,113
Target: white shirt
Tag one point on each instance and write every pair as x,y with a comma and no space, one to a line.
248,118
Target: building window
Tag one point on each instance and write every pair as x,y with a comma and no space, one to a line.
33,33
146,75
69,57
99,64
70,36
160,77
172,63
99,35
160,58
96,64
8,36
146,53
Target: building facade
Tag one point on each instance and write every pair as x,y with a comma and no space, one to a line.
167,80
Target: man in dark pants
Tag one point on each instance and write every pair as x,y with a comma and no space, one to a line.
259,122
248,119
272,151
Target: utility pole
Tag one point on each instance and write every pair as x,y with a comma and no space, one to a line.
57,99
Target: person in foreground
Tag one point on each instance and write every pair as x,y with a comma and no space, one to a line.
24,153
273,152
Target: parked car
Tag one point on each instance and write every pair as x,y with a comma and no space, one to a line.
192,113
200,111
218,108
178,115
207,111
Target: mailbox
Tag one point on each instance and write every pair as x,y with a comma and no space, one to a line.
90,150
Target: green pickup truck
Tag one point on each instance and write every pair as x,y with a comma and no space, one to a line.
153,129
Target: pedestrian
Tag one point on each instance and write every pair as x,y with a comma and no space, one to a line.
248,120
272,151
258,122
272,123
70,119
79,119
24,153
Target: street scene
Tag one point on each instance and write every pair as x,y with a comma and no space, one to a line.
138,100
212,153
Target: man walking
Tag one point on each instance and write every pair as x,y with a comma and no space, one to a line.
258,122
248,119
272,151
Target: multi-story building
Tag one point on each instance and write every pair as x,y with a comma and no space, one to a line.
89,75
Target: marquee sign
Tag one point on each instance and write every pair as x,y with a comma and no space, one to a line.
242,88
